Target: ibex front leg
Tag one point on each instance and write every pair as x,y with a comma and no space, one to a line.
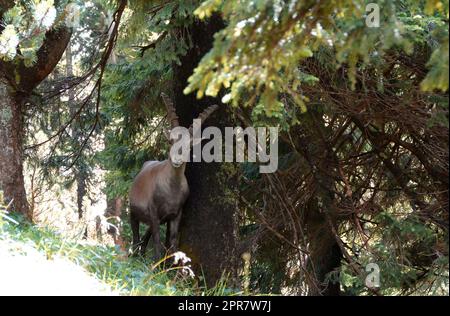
172,236
154,226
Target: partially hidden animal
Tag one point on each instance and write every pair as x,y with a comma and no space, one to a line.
159,192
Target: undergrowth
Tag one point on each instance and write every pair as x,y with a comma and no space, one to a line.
125,275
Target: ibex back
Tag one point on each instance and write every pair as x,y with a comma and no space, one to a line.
158,194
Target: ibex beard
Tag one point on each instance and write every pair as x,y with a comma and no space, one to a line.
235,145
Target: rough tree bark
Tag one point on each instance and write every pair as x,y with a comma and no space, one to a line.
324,255
11,150
16,83
324,252
208,229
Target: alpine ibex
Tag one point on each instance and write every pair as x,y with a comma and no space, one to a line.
159,192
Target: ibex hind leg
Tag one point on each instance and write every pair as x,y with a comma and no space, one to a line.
134,221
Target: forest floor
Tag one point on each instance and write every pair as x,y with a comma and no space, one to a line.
37,260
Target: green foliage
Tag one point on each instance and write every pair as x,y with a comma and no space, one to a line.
410,254
128,276
131,104
257,57
438,64
260,60
287,63
25,26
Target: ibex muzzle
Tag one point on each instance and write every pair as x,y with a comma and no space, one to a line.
159,192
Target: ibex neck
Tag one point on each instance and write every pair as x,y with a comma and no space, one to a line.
177,172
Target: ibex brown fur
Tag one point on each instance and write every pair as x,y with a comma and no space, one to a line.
158,194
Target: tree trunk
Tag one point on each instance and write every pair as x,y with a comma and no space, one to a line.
208,230
17,81
324,252
324,256
11,150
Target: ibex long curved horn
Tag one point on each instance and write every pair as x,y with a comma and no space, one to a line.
171,114
204,115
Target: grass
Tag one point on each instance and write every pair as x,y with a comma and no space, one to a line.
127,276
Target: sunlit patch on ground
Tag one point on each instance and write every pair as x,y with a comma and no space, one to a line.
26,271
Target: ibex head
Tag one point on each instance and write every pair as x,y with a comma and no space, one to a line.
177,160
